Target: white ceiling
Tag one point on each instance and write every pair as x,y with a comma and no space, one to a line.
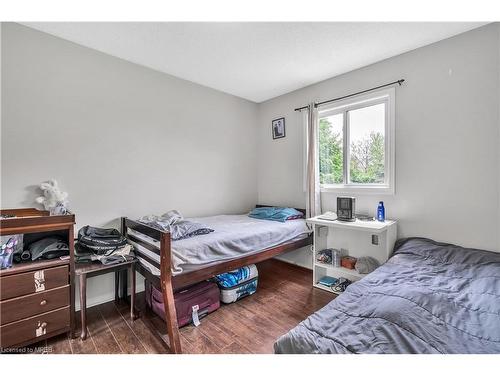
255,61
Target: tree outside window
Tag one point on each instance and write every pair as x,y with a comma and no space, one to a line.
366,157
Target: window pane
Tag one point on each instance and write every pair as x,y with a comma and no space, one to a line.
331,149
367,144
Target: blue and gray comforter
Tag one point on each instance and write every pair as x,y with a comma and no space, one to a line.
427,298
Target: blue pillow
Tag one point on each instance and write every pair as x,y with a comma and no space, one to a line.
281,214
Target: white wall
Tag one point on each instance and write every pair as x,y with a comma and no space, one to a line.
120,138
447,141
498,148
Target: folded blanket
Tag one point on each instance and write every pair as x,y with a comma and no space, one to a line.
281,214
173,222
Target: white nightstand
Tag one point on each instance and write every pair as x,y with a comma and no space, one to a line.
359,238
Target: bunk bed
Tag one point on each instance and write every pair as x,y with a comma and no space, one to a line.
156,255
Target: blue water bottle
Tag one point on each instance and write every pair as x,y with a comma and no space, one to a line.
381,211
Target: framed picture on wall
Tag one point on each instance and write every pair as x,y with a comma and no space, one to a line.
278,128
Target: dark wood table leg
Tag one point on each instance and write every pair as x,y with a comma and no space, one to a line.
132,292
124,284
117,286
83,304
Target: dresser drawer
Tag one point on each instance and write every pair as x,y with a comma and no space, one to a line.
33,304
33,282
36,327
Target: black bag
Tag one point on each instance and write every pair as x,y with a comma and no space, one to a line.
101,241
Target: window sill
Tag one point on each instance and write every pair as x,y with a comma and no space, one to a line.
358,189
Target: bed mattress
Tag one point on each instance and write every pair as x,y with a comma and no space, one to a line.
234,236
427,298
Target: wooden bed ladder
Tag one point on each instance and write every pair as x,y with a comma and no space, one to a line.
168,294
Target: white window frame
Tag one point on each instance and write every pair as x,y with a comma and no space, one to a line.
386,96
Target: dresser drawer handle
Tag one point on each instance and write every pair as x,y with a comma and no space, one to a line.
41,329
43,303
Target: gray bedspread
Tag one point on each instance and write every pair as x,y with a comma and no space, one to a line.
428,297
234,236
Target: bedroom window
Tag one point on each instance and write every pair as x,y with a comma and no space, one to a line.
356,144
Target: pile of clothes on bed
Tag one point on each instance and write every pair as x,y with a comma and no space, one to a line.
107,246
174,222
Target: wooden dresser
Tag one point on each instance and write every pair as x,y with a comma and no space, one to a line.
36,297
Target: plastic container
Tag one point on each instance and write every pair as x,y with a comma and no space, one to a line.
381,211
336,257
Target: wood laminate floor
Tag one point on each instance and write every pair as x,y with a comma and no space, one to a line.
284,297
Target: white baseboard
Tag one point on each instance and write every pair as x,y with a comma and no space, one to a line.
301,257
295,263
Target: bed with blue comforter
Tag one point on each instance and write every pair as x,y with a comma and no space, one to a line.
428,297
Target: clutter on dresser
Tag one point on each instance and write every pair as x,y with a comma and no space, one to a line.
34,246
192,303
49,247
53,199
235,285
36,293
106,245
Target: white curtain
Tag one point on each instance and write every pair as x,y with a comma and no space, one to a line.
313,203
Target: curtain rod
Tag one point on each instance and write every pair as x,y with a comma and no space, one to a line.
399,82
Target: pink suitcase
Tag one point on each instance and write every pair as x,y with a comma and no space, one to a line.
191,303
